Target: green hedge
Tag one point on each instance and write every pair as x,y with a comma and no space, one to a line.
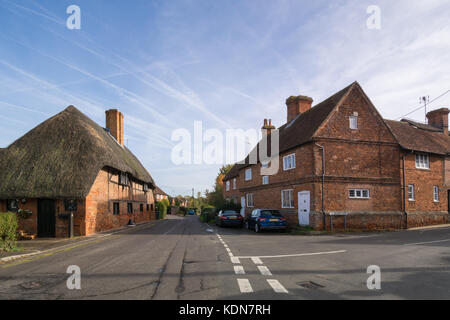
162,208
8,231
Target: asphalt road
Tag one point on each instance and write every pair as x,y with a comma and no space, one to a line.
181,258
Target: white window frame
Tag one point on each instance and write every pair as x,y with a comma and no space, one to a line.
248,197
435,193
422,161
353,122
265,180
289,162
411,193
234,184
227,185
358,193
248,174
264,165
289,201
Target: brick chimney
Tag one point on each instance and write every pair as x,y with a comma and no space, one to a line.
297,105
439,119
267,127
114,122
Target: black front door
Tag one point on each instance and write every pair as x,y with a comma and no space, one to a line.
46,219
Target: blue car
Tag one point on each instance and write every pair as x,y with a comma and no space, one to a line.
266,219
191,212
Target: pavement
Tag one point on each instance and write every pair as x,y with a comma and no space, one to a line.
181,259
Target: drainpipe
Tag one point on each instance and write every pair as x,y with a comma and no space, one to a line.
323,185
404,192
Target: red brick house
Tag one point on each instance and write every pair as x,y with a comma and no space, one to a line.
341,157
70,157
160,194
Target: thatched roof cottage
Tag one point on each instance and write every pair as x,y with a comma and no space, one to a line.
70,157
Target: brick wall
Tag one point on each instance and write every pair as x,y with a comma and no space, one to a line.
104,192
423,210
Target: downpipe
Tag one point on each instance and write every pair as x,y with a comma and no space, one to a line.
323,186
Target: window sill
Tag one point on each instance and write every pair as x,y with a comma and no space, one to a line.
424,169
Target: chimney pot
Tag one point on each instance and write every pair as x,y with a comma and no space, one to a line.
297,105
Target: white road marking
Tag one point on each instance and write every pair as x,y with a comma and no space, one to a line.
235,260
244,285
256,260
436,241
277,286
294,255
264,271
230,254
239,270
228,250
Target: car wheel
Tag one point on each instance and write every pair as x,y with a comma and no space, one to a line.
257,229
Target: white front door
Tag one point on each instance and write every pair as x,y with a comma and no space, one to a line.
243,206
303,208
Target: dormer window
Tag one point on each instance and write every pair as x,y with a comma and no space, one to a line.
145,187
353,122
123,179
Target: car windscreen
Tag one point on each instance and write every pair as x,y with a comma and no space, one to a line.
270,213
229,213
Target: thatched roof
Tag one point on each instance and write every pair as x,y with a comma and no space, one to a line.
61,158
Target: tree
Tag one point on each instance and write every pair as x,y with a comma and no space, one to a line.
216,197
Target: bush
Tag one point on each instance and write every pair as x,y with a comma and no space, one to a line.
162,206
8,231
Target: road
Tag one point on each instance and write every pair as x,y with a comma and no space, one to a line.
182,258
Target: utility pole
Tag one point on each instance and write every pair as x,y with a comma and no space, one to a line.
193,204
425,100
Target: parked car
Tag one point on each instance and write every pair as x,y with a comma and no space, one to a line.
266,219
191,212
229,218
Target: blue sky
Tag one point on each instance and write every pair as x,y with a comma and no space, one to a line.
230,64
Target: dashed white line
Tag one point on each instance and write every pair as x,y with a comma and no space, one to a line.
244,286
239,270
235,260
256,260
277,286
264,271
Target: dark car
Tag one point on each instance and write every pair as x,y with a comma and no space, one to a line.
229,218
266,219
